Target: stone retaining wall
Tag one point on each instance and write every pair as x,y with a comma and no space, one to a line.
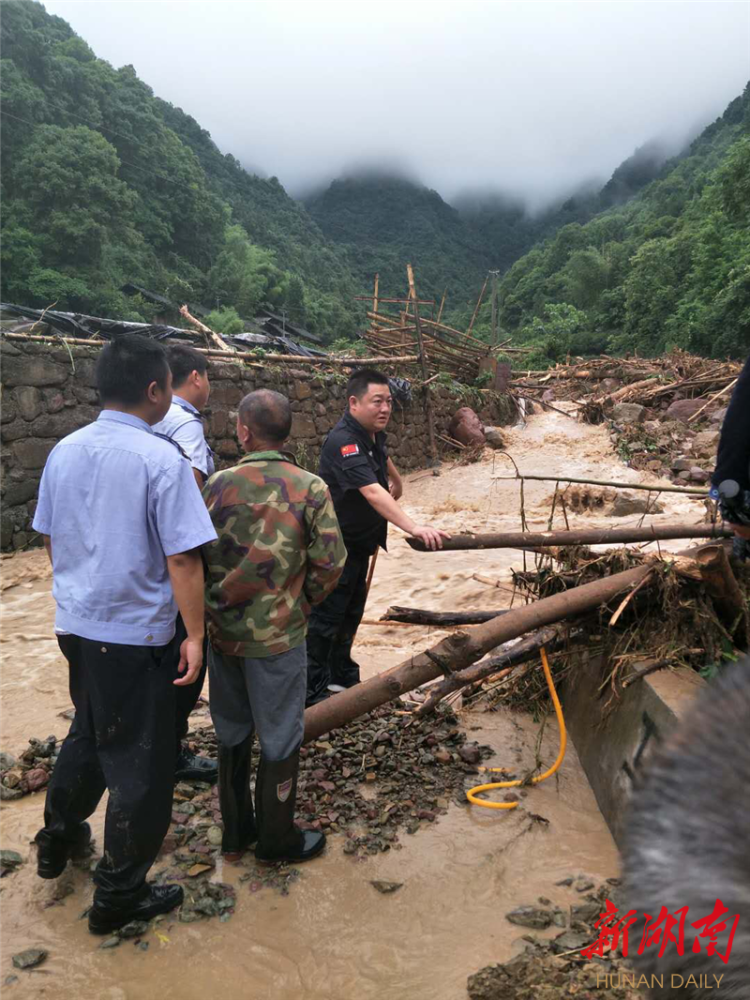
49,392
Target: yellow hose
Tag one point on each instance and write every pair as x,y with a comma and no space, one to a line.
473,792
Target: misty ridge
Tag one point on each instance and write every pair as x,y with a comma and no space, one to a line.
629,177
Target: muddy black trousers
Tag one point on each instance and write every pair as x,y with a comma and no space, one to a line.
331,630
122,739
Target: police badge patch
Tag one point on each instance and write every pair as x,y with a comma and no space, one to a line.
283,790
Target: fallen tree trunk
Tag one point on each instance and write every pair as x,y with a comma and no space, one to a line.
520,653
724,591
584,536
415,616
461,649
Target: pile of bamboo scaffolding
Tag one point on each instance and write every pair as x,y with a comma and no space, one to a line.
445,348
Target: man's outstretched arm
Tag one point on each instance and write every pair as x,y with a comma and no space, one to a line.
388,508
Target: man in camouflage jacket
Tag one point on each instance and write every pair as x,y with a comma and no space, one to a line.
279,551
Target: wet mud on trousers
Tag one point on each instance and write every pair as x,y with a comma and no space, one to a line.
332,628
117,741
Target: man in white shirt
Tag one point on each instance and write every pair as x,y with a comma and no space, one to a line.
184,426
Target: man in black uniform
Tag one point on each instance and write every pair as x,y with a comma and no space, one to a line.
733,458
365,487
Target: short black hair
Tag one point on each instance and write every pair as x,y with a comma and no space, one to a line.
183,360
361,378
126,368
268,413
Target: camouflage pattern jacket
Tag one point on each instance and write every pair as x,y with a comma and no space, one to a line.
279,551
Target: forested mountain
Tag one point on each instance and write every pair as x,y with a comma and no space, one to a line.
385,222
104,184
671,267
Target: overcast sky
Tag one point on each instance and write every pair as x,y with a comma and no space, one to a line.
524,97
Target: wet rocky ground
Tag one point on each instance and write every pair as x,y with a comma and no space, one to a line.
384,776
548,969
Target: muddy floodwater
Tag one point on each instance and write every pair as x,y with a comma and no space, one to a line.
334,937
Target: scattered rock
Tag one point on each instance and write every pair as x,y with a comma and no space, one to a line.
530,916
386,887
7,761
469,754
112,942
626,503
37,778
494,437
698,475
198,869
10,860
705,443
572,941
136,928
717,417
628,413
10,794
583,884
214,836
30,958
683,409
681,464
9,980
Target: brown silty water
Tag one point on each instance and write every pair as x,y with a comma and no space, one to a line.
334,937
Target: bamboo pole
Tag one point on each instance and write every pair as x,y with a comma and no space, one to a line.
604,482
584,536
461,649
425,374
375,294
208,333
231,355
716,395
442,305
476,307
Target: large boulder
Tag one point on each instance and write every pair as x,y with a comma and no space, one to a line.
466,427
683,409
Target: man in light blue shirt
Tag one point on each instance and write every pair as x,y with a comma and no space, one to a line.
122,519
183,425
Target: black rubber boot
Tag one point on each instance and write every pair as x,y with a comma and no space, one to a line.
275,799
105,919
235,798
53,853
